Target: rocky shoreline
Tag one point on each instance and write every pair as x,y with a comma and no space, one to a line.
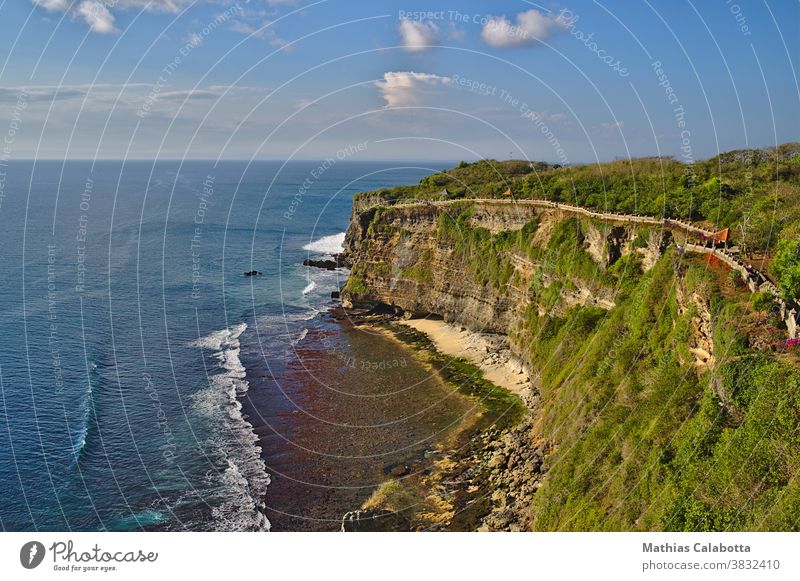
484,477
335,261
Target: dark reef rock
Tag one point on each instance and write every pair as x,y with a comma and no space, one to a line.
337,261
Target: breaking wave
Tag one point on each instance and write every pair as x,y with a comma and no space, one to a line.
332,244
239,482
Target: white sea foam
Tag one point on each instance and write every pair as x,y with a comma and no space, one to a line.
332,244
309,287
80,440
78,445
242,480
217,340
300,337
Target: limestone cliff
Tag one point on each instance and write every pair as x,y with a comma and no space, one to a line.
402,257
658,383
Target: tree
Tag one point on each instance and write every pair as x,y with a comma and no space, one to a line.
756,231
787,268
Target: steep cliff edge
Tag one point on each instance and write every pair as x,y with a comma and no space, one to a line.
657,408
480,264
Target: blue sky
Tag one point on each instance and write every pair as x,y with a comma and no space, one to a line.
572,82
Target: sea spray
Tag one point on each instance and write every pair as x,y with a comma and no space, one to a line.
332,244
240,481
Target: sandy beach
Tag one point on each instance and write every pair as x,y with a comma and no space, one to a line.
487,351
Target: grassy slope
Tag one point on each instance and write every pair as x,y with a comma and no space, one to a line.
755,192
641,440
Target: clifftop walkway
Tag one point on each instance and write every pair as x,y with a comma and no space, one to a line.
755,280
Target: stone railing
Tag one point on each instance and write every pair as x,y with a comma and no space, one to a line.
612,216
756,281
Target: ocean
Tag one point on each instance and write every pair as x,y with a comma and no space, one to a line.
147,384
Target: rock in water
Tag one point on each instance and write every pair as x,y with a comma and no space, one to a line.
336,261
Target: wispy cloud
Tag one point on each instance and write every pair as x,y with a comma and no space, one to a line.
619,125
418,36
530,26
11,94
262,30
105,95
403,89
49,93
52,5
98,15
259,24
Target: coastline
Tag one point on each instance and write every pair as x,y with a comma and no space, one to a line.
351,410
471,481
489,352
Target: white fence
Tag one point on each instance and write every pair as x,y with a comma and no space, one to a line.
755,280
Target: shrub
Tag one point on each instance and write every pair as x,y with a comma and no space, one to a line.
787,268
763,301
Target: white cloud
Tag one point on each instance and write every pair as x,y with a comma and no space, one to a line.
98,13
418,36
618,125
53,5
545,116
150,5
258,23
262,30
529,27
97,16
107,95
404,89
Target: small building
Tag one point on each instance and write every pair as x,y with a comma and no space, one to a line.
720,238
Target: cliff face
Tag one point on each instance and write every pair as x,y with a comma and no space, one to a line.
402,261
661,404
428,260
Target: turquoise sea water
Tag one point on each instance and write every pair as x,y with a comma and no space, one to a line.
127,327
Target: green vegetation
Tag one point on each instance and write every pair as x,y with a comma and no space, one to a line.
356,285
565,254
643,438
754,192
418,272
787,268
643,442
489,256
675,408
763,301
501,408
485,178
394,496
